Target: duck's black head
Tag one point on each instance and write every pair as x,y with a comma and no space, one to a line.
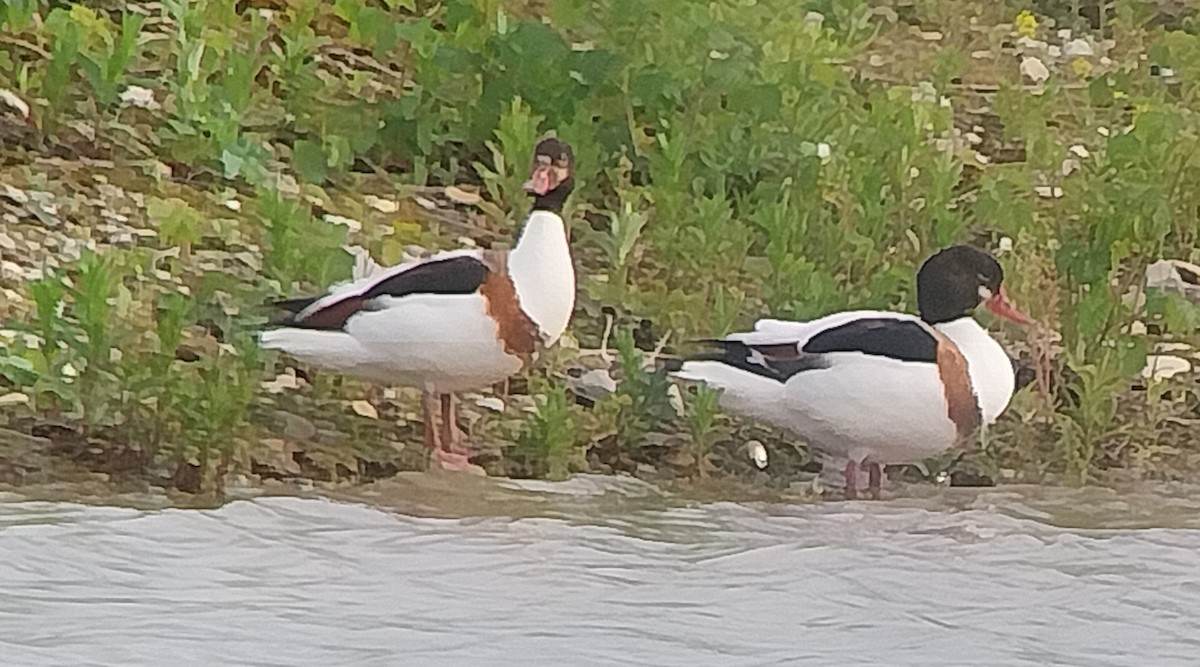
953,282
553,175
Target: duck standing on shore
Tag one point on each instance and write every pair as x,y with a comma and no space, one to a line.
458,320
873,387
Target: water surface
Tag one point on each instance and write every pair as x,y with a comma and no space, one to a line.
444,570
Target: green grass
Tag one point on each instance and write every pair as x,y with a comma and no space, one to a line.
735,159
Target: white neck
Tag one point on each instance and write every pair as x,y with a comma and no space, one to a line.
992,375
542,272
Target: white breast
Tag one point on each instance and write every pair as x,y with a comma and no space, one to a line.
543,274
991,370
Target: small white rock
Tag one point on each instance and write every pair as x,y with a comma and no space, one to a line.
14,398
1048,191
1034,69
382,205
364,409
461,196
491,403
354,225
757,453
598,378
676,400
11,99
1164,366
232,204
139,97
1078,48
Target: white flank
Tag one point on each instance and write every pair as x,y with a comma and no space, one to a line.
442,342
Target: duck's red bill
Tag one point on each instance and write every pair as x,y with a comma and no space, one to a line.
1002,307
543,179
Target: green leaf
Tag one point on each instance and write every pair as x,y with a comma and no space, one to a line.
309,160
232,163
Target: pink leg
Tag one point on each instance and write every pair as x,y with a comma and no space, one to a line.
851,474
427,415
455,440
875,477
453,454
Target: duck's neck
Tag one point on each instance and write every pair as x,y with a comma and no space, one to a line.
542,272
989,366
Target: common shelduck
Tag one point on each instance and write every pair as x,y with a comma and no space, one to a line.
458,320
873,387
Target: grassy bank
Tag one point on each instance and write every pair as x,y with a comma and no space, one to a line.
168,167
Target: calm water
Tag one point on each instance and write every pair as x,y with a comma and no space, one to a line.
438,571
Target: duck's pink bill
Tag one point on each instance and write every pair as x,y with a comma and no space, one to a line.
1002,307
542,180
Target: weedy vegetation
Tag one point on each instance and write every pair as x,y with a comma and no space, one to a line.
169,167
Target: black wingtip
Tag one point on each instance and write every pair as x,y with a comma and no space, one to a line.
757,359
294,305
670,364
286,310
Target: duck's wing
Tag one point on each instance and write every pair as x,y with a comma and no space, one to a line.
779,349
454,272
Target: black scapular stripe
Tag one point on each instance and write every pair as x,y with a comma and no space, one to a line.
762,360
457,275
904,340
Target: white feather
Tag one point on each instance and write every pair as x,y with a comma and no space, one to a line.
543,274
771,332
